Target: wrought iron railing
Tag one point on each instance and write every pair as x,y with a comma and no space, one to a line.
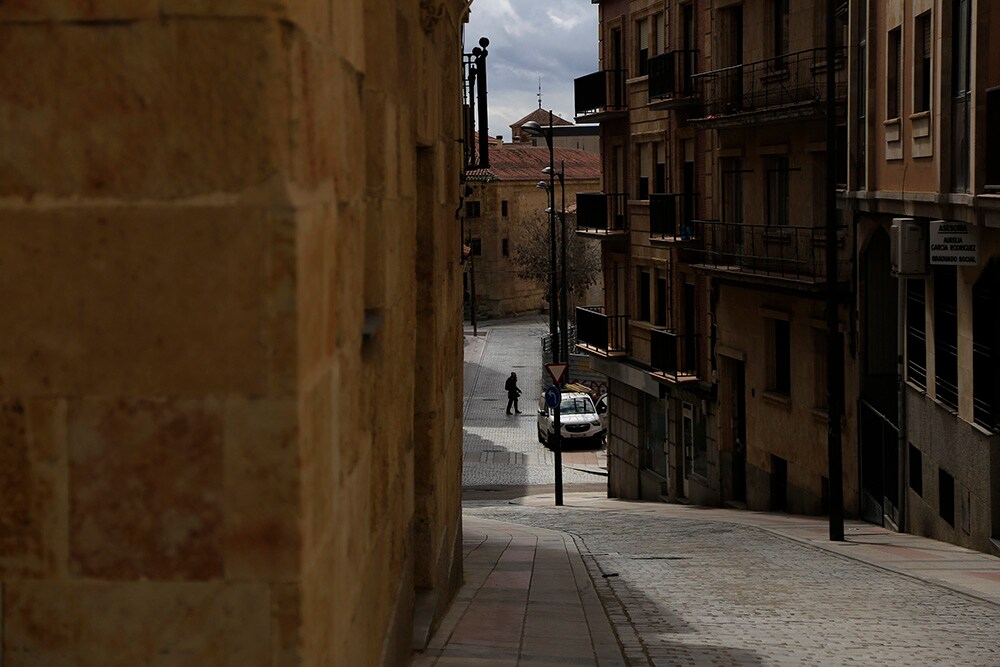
674,353
598,212
670,216
671,74
771,250
600,92
791,79
598,330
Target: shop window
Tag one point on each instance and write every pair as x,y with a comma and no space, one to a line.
946,335
986,348
916,332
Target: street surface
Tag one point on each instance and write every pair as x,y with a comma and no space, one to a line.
501,452
685,585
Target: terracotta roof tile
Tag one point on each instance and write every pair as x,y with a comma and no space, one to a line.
526,164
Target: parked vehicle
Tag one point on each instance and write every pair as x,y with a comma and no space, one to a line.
602,413
580,423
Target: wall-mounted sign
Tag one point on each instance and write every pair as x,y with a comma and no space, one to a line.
953,243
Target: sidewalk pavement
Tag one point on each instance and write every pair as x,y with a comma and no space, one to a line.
529,600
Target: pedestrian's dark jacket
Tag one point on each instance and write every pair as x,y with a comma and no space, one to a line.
511,387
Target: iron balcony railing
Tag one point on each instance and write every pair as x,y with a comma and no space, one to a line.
674,354
600,213
602,332
600,92
671,75
770,250
670,216
793,79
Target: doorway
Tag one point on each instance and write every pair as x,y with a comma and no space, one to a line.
738,406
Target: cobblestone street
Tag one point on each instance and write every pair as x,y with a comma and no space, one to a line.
502,451
679,585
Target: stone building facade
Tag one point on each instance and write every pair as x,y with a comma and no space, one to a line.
230,355
713,126
497,212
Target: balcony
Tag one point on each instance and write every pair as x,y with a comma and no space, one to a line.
673,356
670,217
599,333
785,88
671,80
601,215
766,252
600,95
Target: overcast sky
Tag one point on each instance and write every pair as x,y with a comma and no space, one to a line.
552,39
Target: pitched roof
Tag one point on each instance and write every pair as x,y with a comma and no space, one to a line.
525,163
541,116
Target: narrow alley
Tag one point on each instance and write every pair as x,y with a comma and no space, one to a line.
609,582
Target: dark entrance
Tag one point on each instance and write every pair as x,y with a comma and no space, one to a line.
739,403
877,414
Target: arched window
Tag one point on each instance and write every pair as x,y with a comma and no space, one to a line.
986,347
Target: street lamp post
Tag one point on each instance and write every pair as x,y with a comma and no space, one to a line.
534,129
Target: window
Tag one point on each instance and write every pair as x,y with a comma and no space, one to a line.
993,138
893,79
916,332
655,411
472,209
946,335
916,471
861,90
659,34
645,166
503,208
961,32
779,17
659,168
779,370
642,47
477,246
505,247
777,191
661,301
986,348
923,39
644,314
946,496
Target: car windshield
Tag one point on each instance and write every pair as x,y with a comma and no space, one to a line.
576,405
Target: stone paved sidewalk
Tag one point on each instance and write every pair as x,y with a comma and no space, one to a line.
698,586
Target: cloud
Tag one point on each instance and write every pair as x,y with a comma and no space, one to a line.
557,44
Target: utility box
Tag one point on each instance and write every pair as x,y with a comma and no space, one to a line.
908,247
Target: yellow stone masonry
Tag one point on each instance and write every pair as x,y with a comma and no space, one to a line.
230,341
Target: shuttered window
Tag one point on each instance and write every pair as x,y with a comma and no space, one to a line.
922,63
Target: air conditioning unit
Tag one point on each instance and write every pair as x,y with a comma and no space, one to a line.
908,247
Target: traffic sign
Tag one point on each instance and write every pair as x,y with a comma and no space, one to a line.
557,371
553,397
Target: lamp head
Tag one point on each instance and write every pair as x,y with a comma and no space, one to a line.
533,129
542,185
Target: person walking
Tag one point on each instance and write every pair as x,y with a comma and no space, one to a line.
512,392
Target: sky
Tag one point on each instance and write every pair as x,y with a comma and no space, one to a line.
552,39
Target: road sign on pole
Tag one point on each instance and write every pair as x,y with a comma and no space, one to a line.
557,371
552,396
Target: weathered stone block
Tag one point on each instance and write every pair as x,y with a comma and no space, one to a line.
32,488
75,10
146,489
147,302
139,623
148,110
262,490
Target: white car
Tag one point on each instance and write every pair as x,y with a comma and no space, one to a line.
578,417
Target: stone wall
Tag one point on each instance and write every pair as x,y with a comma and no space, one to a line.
230,347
